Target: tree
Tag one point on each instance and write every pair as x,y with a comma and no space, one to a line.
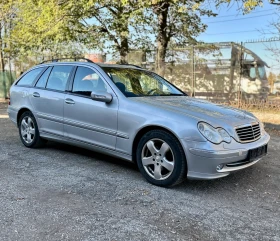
116,25
131,23
247,5
6,13
38,25
176,20
99,24
109,21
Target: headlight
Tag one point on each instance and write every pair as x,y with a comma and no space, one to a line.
212,134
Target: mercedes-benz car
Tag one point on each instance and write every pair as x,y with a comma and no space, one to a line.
134,114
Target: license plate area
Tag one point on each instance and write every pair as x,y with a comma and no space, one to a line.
257,153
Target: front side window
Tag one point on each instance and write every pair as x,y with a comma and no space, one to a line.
134,82
87,80
29,78
58,77
262,72
253,74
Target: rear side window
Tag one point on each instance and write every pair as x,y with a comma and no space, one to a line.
29,78
43,79
58,77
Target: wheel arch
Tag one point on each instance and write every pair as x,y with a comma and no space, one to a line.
20,112
146,129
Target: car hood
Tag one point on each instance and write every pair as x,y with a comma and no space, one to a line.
201,110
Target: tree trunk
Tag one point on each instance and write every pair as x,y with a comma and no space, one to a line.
2,64
161,10
160,58
11,80
123,50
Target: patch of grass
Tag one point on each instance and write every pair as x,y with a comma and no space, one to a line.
257,105
268,117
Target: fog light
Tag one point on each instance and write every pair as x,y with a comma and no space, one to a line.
220,167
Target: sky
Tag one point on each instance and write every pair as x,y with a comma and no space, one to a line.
232,25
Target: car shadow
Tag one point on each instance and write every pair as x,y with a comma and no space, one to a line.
247,178
239,181
92,155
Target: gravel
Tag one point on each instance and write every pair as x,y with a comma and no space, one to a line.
61,192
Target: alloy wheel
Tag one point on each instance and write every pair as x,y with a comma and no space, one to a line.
158,159
27,129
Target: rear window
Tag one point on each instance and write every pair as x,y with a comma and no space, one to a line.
29,78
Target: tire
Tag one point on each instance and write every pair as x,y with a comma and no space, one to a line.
161,158
29,132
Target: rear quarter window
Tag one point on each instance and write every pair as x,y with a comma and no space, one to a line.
29,78
43,79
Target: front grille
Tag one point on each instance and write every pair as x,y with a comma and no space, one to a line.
249,133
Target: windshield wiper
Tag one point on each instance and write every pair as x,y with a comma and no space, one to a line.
172,94
143,95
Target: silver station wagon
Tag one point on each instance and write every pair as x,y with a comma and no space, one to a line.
134,114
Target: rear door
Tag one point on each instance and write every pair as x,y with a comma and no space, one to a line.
48,96
86,120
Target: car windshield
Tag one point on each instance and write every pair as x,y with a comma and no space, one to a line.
261,72
134,82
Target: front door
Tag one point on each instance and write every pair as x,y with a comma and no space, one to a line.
91,122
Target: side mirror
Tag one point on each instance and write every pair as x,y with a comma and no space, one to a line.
101,96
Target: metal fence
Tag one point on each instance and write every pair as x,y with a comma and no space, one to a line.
219,72
6,80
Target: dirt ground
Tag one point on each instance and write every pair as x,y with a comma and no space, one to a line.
60,192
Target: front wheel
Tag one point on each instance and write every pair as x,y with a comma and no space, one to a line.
28,131
161,158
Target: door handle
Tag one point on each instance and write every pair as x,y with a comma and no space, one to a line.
36,94
69,101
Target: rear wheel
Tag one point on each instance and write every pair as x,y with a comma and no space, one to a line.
28,131
161,158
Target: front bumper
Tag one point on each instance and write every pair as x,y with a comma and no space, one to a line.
204,157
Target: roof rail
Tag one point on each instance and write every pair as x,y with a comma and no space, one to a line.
133,65
74,58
